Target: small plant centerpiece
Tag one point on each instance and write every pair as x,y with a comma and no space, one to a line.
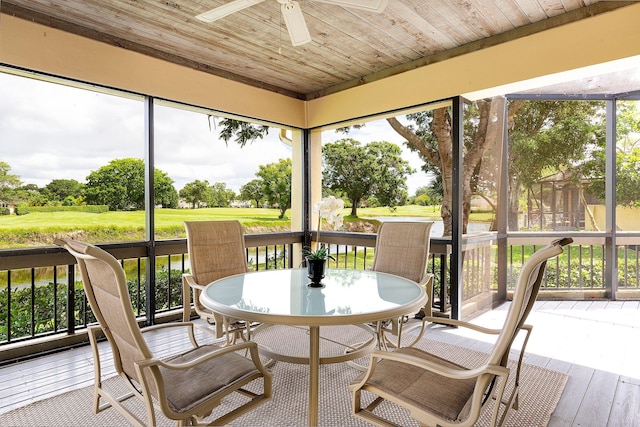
328,209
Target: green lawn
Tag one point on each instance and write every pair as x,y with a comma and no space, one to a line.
35,229
163,217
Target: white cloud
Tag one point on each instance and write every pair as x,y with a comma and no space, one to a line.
50,131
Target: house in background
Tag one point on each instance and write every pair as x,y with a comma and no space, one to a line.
559,202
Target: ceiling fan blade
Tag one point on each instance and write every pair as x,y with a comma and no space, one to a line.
370,5
296,25
226,9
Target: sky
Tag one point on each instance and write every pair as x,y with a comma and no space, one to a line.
49,131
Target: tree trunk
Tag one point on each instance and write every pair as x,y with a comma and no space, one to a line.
441,128
513,204
354,208
475,149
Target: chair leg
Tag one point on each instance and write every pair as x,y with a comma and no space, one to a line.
355,401
97,373
497,419
188,422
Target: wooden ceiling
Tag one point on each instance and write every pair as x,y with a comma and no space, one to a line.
350,47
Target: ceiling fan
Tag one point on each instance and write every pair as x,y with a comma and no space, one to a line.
291,13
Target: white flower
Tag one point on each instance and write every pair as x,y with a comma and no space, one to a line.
328,209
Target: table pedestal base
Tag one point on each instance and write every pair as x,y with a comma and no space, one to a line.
314,358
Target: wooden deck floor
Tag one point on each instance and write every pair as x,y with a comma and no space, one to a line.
595,342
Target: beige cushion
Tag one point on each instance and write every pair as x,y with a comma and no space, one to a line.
183,393
402,248
422,388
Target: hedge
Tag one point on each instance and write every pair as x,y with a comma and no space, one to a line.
23,210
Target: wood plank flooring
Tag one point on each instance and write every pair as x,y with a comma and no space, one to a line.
595,342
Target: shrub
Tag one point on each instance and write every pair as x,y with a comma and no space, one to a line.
46,314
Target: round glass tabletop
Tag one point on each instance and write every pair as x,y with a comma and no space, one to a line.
347,296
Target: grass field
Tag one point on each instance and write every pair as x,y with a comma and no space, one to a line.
36,229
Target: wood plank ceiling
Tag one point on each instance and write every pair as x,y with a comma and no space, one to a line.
349,46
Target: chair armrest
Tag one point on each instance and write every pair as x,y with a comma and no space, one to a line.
188,283
190,325
191,281
167,325
449,322
426,279
461,324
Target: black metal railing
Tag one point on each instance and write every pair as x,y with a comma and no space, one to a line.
41,297
48,296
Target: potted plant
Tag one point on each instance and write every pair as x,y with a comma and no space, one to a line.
328,209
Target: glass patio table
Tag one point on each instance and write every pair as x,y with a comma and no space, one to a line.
282,297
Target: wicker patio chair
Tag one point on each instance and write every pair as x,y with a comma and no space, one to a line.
216,250
185,386
402,249
440,392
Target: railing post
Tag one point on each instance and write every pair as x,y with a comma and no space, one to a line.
33,301
9,306
71,299
443,283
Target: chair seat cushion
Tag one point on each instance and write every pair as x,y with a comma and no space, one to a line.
189,387
425,389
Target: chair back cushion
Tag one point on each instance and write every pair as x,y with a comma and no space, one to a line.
106,288
402,248
216,249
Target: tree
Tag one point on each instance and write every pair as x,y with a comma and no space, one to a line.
252,191
276,184
32,195
540,131
244,132
375,169
627,159
546,137
165,193
8,183
435,190
430,195
220,196
196,193
627,179
421,196
429,134
60,189
120,185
